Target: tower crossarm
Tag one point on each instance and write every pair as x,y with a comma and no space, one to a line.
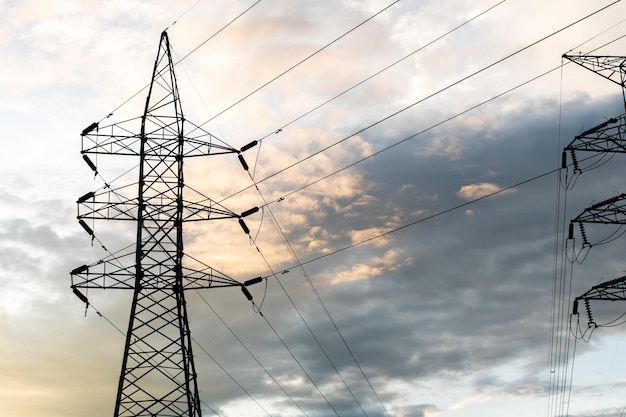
613,290
115,139
610,67
121,139
115,273
206,210
119,273
110,204
609,136
610,211
206,278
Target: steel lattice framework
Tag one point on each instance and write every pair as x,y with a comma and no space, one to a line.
158,377
613,290
607,137
613,68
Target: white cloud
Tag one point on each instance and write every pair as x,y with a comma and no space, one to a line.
377,266
478,190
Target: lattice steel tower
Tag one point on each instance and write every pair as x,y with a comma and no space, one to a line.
608,137
158,376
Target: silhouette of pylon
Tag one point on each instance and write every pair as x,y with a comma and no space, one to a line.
158,376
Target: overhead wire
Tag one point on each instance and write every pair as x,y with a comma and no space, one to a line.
560,384
300,264
424,219
185,56
300,364
252,354
324,351
317,294
283,126
299,63
227,109
183,14
558,227
441,90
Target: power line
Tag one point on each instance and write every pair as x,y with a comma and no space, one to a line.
300,364
435,215
422,100
184,57
252,354
298,63
293,253
217,33
380,71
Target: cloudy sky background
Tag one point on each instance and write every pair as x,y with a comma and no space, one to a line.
449,317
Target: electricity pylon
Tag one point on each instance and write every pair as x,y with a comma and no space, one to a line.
158,376
609,136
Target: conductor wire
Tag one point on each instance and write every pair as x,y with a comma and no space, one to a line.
298,63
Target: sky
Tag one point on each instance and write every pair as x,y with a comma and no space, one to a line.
376,242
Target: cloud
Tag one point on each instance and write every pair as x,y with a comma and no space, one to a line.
479,190
388,262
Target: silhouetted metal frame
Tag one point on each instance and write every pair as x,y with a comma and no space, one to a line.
611,67
613,290
158,375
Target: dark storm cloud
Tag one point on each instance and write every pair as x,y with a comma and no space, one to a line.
477,292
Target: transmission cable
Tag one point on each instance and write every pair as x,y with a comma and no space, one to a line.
422,100
423,219
217,33
558,228
299,63
432,216
251,354
304,273
299,364
379,72
183,14
184,57
231,377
